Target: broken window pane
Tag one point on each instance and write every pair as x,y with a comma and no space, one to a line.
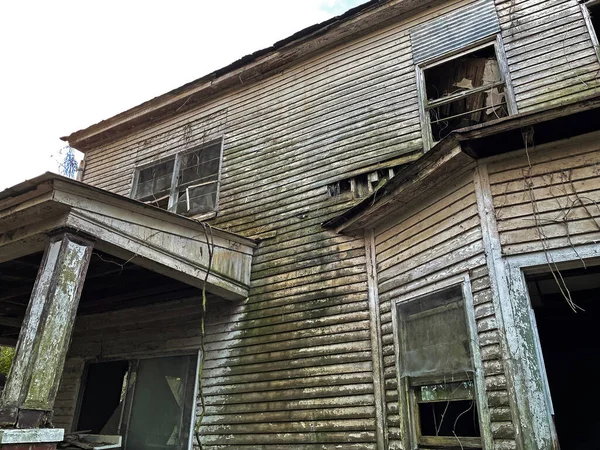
464,91
434,338
154,183
198,180
456,419
436,368
161,410
103,397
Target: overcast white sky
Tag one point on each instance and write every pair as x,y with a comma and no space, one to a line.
65,65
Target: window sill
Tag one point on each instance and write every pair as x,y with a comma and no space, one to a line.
204,217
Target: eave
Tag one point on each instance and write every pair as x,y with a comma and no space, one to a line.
460,150
144,235
249,69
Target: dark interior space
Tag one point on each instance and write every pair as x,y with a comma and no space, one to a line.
452,418
595,16
569,342
102,397
459,76
111,283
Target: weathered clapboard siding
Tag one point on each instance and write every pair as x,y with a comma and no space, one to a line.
549,51
551,204
292,367
155,329
429,243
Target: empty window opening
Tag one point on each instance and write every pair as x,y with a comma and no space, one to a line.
570,351
103,397
149,402
436,371
464,91
594,9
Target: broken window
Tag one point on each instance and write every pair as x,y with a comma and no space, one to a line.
149,402
591,13
187,183
463,91
436,371
199,180
154,184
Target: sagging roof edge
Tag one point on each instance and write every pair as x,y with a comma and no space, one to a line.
142,208
480,141
248,69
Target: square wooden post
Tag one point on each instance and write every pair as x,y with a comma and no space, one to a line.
28,397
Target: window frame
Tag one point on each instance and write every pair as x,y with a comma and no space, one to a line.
131,377
173,191
587,18
407,406
425,118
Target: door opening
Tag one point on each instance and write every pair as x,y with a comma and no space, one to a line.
571,354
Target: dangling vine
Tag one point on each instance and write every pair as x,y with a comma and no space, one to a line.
208,234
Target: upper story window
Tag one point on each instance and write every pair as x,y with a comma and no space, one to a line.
187,183
591,13
462,91
460,70
436,371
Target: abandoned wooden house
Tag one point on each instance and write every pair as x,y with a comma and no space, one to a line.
380,233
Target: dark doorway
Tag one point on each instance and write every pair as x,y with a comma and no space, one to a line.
102,397
569,337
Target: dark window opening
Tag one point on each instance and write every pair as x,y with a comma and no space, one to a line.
465,91
103,397
149,402
571,355
594,9
456,419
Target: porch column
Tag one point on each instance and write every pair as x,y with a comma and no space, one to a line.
28,397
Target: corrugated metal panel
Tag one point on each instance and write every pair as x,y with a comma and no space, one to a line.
454,31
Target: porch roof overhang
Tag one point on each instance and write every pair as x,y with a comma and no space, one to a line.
459,152
180,248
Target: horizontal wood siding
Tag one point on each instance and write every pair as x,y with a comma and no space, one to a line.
552,203
433,241
549,51
291,367
159,329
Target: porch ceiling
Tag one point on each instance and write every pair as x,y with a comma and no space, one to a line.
163,242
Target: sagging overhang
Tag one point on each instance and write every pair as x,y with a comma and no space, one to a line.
459,152
172,245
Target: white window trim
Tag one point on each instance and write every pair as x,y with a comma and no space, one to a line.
587,18
407,423
496,42
174,180
529,375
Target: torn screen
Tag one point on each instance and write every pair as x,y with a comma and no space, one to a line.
434,338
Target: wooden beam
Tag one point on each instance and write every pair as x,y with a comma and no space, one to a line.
28,397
